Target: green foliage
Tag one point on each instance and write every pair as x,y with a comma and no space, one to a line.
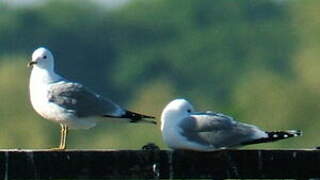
250,59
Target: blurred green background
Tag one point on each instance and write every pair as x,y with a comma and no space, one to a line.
255,60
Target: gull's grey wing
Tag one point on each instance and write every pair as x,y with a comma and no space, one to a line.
76,98
216,129
204,122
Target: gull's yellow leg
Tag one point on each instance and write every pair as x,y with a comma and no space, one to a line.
62,134
63,137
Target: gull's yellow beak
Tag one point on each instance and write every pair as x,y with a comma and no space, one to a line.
31,63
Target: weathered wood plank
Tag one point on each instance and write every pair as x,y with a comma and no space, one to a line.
90,164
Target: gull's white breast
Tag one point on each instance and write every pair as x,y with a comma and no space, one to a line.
39,89
172,135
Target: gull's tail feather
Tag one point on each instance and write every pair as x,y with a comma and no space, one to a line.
275,136
135,117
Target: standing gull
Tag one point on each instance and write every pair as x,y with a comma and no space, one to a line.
68,103
182,128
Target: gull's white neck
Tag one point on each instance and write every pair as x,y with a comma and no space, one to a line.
169,120
43,76
40,81
171,132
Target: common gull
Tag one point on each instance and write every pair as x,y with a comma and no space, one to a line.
183,128
69,103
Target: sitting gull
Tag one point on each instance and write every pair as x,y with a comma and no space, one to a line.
68,103
182,128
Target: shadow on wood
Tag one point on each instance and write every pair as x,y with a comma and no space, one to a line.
90,164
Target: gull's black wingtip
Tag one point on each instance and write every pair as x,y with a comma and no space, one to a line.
136,117
275,136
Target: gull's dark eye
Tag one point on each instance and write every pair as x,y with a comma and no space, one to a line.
44,57
189,110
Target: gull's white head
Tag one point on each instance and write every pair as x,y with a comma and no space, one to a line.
175,111
42,58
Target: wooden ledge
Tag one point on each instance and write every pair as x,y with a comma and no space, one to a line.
110,164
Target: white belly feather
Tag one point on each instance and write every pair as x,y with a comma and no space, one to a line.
48,110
